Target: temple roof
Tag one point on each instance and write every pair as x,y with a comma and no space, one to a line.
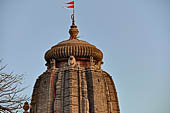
73,47
78,48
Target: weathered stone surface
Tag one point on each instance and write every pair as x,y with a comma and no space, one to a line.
76,91
74,81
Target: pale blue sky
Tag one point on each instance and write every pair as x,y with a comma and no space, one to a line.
134,36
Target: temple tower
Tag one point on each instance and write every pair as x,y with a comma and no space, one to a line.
74,81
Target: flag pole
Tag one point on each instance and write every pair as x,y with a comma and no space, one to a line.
72,6
73,17
73,28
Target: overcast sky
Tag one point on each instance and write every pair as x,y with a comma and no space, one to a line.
134,36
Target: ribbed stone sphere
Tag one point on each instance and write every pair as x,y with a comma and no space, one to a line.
75,47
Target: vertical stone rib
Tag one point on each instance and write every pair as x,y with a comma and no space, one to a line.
59,90
89,80
71,51
60,51
56,52
113,105
107,93
50,94
64,51
84,101
80,50
63,89
75,50
79,94
85,51
68,51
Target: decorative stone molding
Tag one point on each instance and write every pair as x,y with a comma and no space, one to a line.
77,48
52,64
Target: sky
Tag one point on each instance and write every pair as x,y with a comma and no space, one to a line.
134,36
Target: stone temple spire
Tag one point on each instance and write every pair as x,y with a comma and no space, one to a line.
74,81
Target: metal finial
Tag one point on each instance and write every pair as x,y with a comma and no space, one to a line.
72,17
73,28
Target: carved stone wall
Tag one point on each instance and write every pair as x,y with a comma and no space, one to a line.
77,90
40,94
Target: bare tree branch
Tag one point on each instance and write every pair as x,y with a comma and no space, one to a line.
11,98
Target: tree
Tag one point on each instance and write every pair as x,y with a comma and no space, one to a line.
11,97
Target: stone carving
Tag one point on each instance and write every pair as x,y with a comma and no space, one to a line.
77,48
78,65
71,61
83,104
92,63
52,64
98,66
110,107
48,66
87,105
71,92
90,93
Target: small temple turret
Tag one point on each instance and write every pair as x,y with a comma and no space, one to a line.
26,107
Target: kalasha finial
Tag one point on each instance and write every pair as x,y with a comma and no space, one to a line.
73,28
26,107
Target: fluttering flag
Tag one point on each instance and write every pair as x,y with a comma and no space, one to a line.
72,4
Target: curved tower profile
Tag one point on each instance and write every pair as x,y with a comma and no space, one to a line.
74,81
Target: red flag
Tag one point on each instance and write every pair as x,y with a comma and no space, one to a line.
72,6
72,2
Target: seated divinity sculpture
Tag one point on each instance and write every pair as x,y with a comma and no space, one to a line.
71,61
